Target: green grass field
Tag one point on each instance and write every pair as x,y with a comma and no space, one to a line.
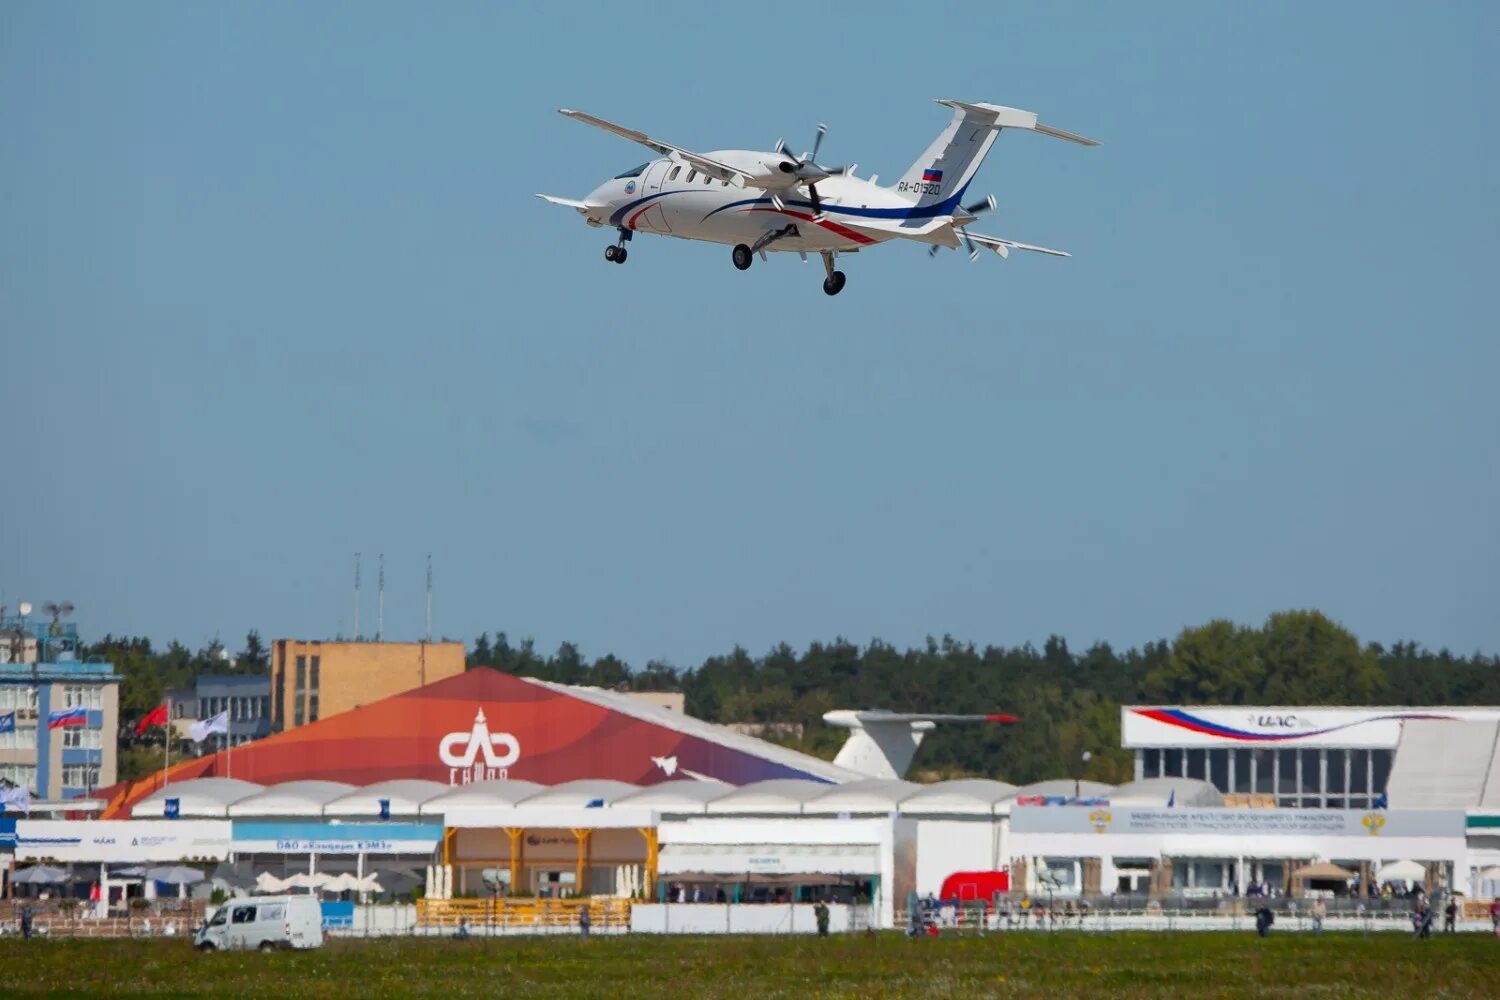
744,968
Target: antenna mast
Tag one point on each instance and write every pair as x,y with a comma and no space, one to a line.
429,597
356,597
380,609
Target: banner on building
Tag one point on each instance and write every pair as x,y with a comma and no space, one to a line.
122,840
341,838
1238,822
1185,726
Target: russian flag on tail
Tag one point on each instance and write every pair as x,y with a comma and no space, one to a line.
75,716
932,175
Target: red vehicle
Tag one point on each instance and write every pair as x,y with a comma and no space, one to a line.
983,886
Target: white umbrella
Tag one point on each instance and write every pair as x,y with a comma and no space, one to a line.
266,882
175,875
1401,871
341,883
41,875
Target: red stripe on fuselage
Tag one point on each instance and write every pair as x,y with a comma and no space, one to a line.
832,227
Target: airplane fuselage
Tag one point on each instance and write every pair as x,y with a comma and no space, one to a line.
670,198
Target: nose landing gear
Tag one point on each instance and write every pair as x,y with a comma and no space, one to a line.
616,253
742,257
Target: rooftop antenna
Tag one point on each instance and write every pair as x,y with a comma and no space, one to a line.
356,597
429,597
380,608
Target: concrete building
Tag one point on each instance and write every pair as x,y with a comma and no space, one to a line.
246,698
312,680
46,680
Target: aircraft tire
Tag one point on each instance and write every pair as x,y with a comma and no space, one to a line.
742,257
610,252
834,284
620,255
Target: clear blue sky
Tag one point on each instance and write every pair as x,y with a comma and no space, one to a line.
274,289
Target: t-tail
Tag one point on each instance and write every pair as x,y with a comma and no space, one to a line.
936,182
882,744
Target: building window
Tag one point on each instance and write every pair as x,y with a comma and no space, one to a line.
1171,763
316,662
312,707
20,738
80,776
1218,768
22,775
1380,764
301,673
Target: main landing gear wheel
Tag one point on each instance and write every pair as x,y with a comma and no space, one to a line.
742,257
834,283
614,254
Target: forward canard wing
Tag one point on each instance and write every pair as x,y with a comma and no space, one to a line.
713,168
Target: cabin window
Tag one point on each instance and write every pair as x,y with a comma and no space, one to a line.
691,175
673,175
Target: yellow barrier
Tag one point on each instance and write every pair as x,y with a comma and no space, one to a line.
604,911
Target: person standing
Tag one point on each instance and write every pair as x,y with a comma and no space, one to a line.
26,919
584,922
1263,920
1450,915
1319,913
820,912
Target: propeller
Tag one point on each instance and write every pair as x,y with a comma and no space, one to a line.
974,210
807,170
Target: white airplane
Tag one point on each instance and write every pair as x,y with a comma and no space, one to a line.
774,201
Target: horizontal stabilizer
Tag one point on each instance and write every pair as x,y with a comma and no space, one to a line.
1004,247
998,116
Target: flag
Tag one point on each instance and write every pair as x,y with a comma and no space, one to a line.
1172,799
932,175
201,731
75,716
18,797
156,717
594,804
8,722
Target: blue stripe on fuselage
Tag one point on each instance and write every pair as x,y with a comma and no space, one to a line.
619,213
937,208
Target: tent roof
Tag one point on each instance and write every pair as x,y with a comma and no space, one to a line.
291,798
199,797
877,795
406,797
1327,870
481,793
680,796
966,796
581,793
776,796
1160,791
1064,787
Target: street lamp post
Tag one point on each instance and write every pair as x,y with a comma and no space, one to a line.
1087,756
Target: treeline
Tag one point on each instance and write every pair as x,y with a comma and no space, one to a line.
1069,702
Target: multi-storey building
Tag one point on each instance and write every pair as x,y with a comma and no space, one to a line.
41,676
245,698
313,680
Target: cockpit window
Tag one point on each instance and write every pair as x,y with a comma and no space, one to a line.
632,172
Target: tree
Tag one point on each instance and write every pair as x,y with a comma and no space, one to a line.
253,659
1307,659
1213,664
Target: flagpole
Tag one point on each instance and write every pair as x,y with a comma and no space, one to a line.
166,748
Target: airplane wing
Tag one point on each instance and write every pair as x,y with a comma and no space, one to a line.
1004,247
715,169
582,206
877,716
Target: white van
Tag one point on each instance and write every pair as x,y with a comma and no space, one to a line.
264,922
